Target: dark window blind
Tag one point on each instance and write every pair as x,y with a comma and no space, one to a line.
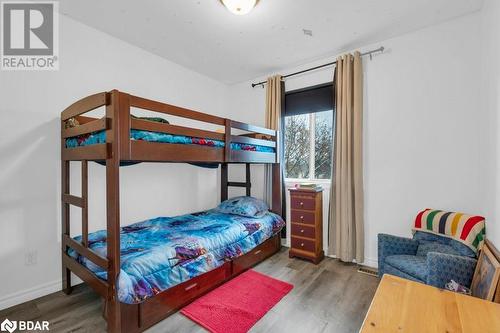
309,100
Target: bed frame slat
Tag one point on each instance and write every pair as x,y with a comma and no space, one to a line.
252,141
147,125
90,127
73,200
95,152
85,119
84,105
244,156
147,104
252,128
100,286
174,152
86,252
237,184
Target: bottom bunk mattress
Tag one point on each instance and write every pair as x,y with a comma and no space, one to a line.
162,252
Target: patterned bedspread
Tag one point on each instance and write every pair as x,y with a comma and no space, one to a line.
160,253
100,137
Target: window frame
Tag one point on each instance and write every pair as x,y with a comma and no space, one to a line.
312,128
312,154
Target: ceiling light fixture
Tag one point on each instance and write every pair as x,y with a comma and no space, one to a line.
239,7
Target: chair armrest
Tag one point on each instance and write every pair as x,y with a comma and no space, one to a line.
389,245
444,267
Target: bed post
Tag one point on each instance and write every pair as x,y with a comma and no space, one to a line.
223,182
248,180
65,215
66,273
114,114
276,190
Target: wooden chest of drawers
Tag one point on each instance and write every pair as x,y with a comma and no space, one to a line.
306,217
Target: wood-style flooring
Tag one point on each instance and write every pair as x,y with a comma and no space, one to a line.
329,297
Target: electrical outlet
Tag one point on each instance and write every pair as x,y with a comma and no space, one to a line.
30,258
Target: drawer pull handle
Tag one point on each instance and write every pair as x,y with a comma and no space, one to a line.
302,230
191,286
302,244
257,252
302,218
301,203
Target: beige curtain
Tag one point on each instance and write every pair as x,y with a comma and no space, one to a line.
346,234
273,121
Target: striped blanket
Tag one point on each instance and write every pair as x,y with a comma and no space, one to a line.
467,229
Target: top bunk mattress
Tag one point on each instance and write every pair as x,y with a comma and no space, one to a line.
100,137
160,253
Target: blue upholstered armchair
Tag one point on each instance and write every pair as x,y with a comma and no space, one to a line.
426,258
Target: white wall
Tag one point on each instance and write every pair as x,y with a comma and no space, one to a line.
30,107
428,140
422,125
490,97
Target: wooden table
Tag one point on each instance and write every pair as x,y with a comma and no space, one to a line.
401,305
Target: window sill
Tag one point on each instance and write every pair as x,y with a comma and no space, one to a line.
311,181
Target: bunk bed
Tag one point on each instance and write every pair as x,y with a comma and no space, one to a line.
118,138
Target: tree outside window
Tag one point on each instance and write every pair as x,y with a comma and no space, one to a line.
308,145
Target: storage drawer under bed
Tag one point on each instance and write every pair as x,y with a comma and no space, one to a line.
154,309
258,254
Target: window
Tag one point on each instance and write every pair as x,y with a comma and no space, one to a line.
308,133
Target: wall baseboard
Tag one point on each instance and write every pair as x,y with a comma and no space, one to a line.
370,262
30,294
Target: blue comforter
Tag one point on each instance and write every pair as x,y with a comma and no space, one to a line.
160,253
100,137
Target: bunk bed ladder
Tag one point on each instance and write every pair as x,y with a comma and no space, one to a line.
225,184
81,202
276,205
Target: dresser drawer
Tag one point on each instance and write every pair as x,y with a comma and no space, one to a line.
303,244
302,203
303,231
299,216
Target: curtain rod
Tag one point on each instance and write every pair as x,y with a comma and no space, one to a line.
380,49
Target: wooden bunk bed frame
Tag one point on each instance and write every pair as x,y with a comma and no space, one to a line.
119,147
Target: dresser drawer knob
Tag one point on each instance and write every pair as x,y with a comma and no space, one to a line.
302,218
302,230
302,244
301,203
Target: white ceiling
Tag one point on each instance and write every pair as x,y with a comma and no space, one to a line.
202,35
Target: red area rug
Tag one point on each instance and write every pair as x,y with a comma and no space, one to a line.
238,304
